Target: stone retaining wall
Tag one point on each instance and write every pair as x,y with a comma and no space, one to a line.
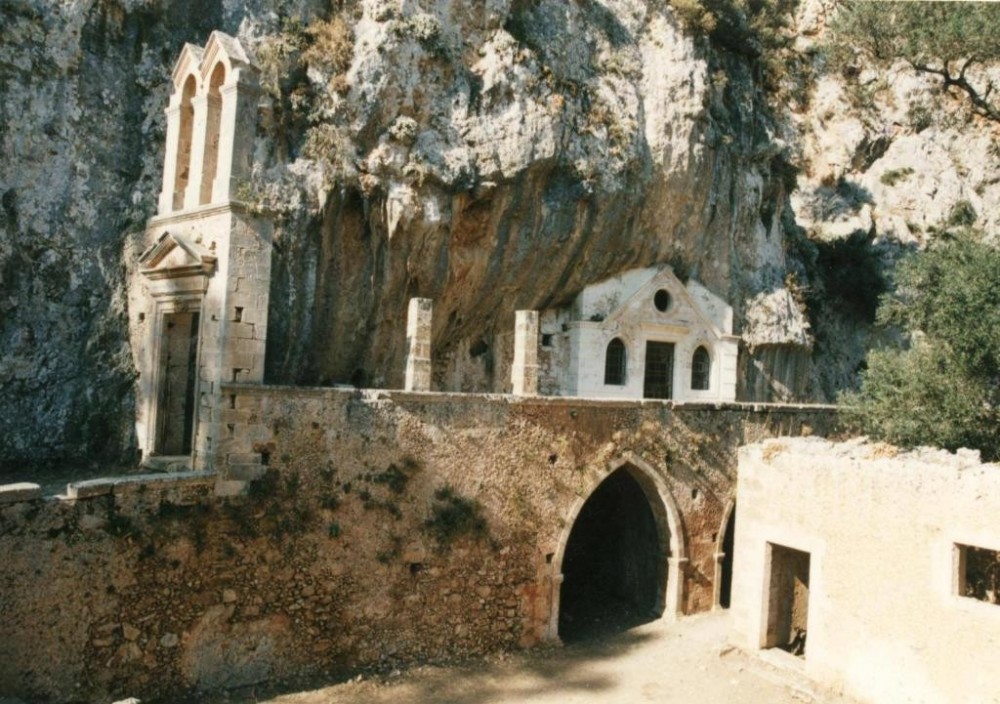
384,527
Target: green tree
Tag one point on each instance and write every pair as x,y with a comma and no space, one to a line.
951,40
943,387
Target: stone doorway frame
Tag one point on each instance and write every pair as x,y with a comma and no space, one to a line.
782,600
670,590
162,308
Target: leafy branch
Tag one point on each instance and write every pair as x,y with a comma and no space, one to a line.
955,41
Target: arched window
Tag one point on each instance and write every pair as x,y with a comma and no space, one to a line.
701,369
183,173
213,132
615,361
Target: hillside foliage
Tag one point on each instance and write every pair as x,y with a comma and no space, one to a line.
942,387
757,29
954,41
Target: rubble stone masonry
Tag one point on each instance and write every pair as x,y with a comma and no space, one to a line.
386,527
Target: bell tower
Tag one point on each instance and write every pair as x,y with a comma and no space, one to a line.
198,297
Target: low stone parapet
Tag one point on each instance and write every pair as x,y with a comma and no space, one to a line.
130,483
21,491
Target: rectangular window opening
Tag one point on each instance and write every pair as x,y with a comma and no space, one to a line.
546,339
787,600
978,573
238,316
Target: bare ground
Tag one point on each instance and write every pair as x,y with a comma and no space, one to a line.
686,662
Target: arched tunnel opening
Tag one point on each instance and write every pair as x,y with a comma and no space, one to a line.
728,546
614,566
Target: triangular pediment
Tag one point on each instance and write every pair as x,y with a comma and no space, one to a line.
222,47
175,256
188,63
681,310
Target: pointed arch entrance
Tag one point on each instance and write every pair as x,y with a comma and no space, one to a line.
725,548
619,558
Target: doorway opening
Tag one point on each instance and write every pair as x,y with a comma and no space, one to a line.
726,564
614,565
787,599
659,375
178,378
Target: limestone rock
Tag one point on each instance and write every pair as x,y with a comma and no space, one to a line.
775,318
493,156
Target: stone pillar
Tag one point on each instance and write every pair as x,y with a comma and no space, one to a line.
718,557
418,344
167,203
192,195
674,598
236,137
524,371
552,629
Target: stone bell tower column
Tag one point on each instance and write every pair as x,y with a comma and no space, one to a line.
199,299
192,194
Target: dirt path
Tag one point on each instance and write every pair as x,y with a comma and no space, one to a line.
686,662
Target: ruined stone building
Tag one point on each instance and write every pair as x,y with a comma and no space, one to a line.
889,562
326,515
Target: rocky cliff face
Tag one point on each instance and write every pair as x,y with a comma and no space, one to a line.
489,155
502,156
887,159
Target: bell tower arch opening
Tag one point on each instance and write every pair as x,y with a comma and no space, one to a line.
615,561
213,132
184,142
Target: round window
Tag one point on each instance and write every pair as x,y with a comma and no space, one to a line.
661,299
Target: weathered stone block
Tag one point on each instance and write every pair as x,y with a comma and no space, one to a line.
227,487
243,472
89,487
246,402
22,491
241,330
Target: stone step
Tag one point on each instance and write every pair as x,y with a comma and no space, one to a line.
167,463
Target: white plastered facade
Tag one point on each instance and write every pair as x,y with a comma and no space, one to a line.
625,307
